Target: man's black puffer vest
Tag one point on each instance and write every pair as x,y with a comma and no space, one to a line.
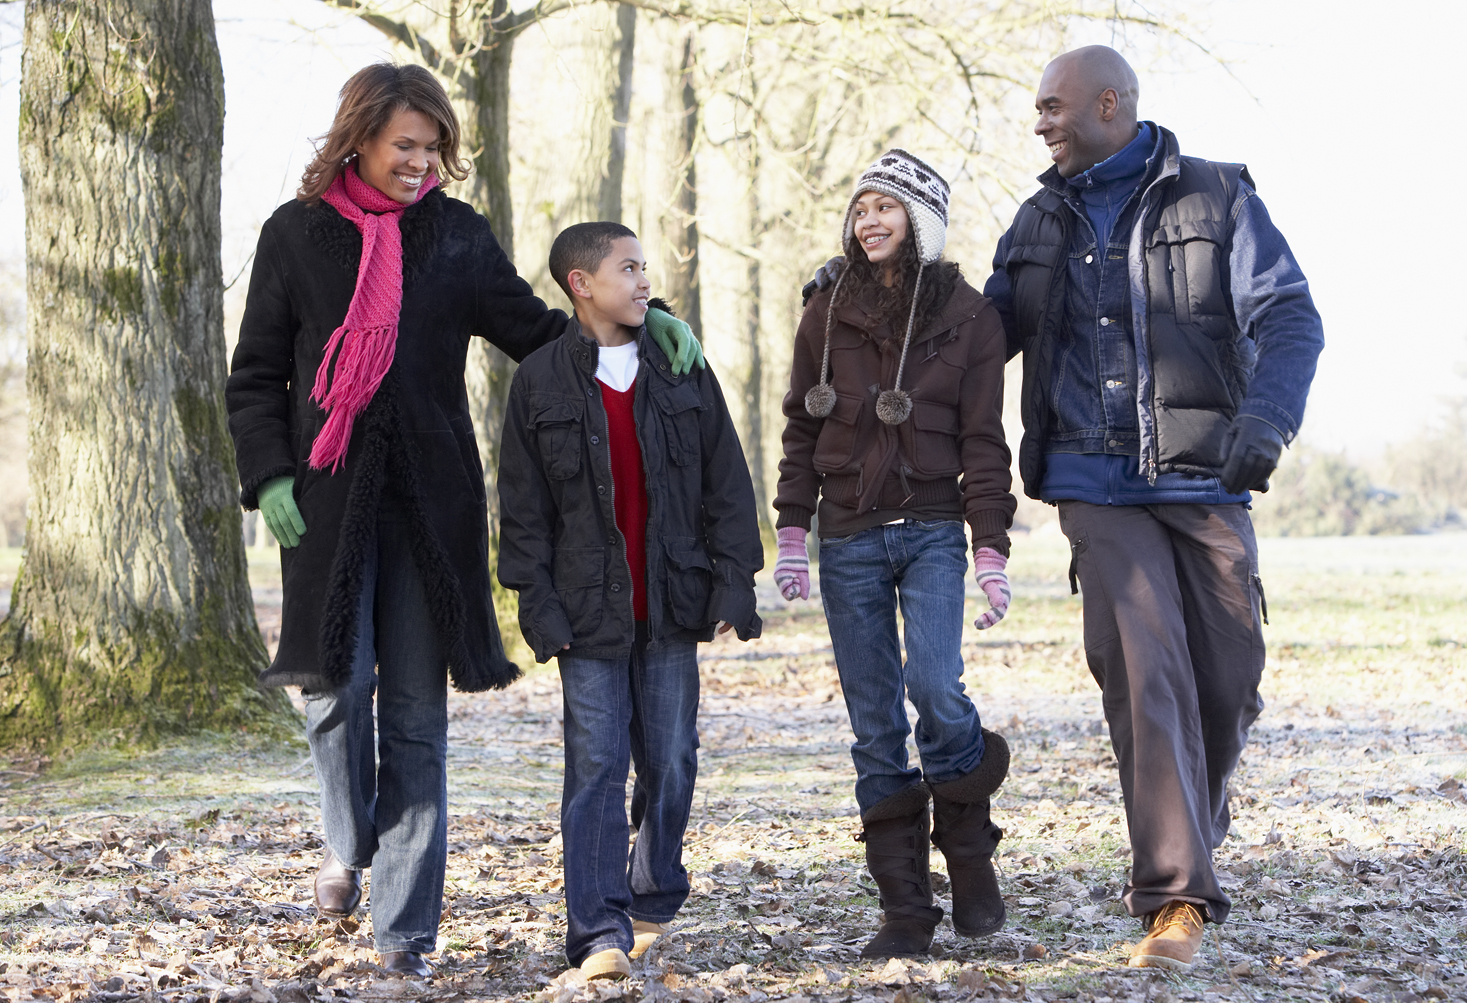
1194,363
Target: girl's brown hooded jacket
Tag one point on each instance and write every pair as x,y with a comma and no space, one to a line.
948,460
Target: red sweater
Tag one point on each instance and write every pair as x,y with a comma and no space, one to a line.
629,480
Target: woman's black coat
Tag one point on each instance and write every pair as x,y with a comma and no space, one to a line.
412,448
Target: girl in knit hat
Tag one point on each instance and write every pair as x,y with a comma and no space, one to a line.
894,436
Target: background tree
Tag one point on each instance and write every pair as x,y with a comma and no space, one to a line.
132,615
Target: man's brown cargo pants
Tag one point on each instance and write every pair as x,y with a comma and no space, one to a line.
1173,634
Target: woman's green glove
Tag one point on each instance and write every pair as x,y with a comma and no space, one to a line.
676,341
277,505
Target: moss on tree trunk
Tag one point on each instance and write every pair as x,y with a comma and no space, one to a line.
131,618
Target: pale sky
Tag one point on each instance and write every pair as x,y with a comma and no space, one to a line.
1314,105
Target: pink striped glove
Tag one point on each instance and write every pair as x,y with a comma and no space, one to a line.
792,567
988,568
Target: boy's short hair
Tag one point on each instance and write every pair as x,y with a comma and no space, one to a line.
583,247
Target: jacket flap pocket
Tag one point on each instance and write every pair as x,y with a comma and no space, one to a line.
1213,230
578,567
686,553
847,409
677,398
932,416
548,408
1034,254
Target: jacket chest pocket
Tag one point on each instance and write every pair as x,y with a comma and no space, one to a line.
556,420
935,438
680,406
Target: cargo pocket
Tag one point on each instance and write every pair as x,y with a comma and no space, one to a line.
556,421
837,442
689,581
577,574
680,405
935,439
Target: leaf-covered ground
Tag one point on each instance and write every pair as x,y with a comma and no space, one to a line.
183,874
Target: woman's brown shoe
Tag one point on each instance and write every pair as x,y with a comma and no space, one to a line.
1173,934
338,888
406,963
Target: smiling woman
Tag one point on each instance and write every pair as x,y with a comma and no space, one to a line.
357,446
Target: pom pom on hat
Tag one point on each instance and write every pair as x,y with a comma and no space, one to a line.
920,190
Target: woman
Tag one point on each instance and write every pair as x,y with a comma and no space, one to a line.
353,436
895,391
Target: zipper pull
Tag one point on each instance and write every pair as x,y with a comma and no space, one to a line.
1075,567
1262,598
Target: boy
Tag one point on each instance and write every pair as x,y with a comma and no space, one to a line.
628,528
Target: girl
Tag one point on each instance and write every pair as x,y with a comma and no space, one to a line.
896,393
353,436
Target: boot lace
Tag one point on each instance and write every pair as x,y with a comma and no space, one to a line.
1183,914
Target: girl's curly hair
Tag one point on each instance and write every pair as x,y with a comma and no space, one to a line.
893,303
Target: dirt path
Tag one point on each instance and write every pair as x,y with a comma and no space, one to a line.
183,874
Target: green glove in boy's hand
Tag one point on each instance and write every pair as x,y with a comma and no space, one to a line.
676,341
277,505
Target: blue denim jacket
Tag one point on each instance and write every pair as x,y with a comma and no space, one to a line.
1101,382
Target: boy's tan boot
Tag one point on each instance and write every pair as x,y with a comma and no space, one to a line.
609,964
1173,934
643,934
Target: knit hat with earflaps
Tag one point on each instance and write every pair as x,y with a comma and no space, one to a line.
920,190
924,194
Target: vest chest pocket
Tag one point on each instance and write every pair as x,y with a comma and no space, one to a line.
679,406
556,420
1186,265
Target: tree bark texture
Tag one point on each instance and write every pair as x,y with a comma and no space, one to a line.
132,616
683,285
621,109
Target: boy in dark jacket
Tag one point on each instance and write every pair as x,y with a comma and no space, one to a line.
628,528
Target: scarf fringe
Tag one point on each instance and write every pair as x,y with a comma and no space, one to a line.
361,366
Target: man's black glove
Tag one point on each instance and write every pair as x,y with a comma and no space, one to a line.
825,277
1252,451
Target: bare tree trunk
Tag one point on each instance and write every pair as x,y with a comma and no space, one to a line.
621,108
683,286
132,616
754,383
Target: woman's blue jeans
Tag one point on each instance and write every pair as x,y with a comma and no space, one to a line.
920,567
644,710
387,808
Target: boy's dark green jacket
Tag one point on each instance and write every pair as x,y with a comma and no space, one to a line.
559,546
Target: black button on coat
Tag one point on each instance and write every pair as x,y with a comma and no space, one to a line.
412,449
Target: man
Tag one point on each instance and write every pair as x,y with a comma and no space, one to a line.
1169,341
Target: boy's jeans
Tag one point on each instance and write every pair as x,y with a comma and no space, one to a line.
924,567
643,709
390,816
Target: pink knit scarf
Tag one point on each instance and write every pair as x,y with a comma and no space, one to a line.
364,344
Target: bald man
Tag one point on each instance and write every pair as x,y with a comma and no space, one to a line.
1169,341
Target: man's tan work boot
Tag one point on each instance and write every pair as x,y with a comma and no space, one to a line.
609,964
1173,934
643,934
